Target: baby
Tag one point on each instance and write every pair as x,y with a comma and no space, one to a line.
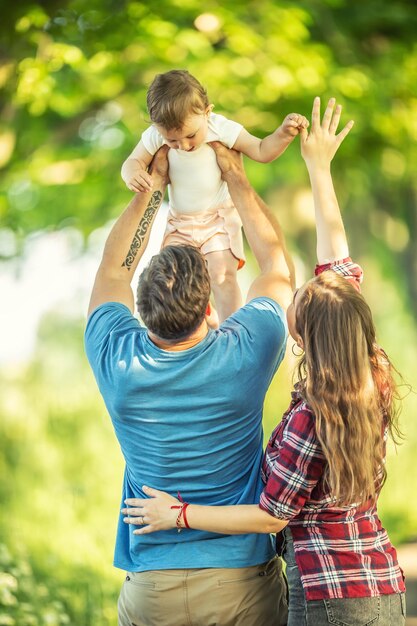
200,209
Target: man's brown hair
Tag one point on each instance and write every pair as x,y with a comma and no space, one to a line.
173,96
173,292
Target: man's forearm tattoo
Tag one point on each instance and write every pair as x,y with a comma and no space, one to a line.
143,227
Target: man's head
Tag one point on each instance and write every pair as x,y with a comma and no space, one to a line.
173,292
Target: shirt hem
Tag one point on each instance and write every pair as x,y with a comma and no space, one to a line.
326,596
215,564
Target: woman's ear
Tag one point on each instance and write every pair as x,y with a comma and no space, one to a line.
300,342
209,109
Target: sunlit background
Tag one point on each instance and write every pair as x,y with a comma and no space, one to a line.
73,81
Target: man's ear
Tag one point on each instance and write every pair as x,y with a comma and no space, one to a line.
212,319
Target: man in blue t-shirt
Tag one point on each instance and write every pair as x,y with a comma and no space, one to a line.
186,405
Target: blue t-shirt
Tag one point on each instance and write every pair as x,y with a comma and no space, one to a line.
189,421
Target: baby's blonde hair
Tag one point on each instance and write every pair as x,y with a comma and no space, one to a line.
173,96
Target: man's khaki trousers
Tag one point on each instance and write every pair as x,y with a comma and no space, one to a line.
249,596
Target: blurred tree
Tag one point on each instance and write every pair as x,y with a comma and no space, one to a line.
60,499
74,77
73,82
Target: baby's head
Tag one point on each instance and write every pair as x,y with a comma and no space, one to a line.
179,107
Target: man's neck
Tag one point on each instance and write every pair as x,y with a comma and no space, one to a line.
183,344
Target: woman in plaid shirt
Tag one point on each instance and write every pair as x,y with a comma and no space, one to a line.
324,465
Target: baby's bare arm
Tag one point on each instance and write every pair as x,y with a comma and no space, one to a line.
134,170
271,147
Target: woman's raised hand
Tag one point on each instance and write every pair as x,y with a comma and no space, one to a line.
319,146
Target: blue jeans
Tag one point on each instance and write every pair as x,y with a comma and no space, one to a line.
388,610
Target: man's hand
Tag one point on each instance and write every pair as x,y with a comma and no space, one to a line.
159,164
261,229
229,160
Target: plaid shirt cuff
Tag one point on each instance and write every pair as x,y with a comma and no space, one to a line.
345,267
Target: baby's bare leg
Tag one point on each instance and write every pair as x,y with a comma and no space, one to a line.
222,267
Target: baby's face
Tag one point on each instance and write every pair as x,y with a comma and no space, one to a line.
192,134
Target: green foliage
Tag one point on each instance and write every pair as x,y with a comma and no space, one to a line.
33,594
23,599
62,504
73,82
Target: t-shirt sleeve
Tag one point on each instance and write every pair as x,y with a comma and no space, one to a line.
296,467
152,139
261,327
346,268
103,330
223,129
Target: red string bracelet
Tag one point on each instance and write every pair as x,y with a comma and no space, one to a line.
182,508
184,515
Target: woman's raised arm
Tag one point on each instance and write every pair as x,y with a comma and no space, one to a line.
318,148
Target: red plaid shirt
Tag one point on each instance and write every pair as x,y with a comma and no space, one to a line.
341,552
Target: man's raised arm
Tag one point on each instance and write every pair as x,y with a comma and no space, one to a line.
262,230
128,239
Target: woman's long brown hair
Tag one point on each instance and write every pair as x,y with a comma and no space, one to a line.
347,381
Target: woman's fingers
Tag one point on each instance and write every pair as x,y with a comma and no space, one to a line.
137,521
331,116
315,114
329,123
133,512
328,114
150,491
145,530
335,119
136,501
303,136
345,131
